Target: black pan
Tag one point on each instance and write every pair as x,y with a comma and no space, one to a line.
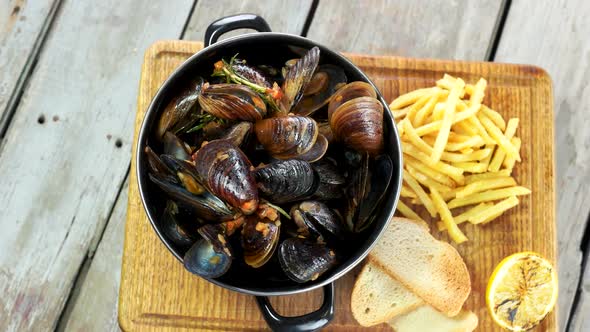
266,47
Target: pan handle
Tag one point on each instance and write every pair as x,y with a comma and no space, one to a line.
229,23
309,322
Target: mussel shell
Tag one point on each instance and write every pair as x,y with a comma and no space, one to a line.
317,151
157,166
286,180
325,130
185,174
225,170
304,260
232,102
380,175
286,137
172,228
319,218
259,240
348,92
180,114
297,78
251,74
331,181
324,83
358,123
175,146
238,134
205,260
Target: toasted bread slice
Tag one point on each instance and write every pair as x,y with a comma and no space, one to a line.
428,319
431,269
376,297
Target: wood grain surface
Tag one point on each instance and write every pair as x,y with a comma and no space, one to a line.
554,35
459,29
61,165
158,294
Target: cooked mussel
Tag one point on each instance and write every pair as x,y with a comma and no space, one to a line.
225,170
366,190
172,228
175,146
358,123
260,235
251,74
287,137
286,180
324,83
238,134
325,130
348,92
315,220
297,78
303,260
232,102
331,181
210,256
181,113
317,151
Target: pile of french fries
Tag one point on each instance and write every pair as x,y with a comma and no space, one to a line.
458,155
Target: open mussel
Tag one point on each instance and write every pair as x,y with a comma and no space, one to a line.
315,220
366,190
297,78
175,146
232,102
286,180
172,228
324,83
358,123
251,74
303,260
210,256
226,171
260,235
181,113
239,134
287,137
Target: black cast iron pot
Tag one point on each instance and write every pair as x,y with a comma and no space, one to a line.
266,47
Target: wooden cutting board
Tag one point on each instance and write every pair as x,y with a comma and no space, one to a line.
158,294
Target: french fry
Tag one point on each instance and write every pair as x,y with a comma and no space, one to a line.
476,96
466,127
463,217
455,173
465,157
407,212
425,111
422,196
407,192
487,159
498,136
446,216
467,151
490,195
489,175
428,171
509,161
418,105
448,81
399,114
487,184
400,128
418,142
439,111
447,121
500,154
409,98
469,88
480,129
425,180
473,141
496,118
495,211
471,166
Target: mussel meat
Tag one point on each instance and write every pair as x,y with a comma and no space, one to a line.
297,78
226,171
324,83
287,137
210,256
260,235
358,123
286,180
315,220
348,92
181,113
303,260
232,102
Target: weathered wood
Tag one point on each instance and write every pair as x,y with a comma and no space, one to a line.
93,304
433,29
61,166
554,35
282,16
158,294
580,321
22,27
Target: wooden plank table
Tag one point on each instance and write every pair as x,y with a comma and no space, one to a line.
68,81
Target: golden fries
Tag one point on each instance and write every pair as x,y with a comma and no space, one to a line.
458,153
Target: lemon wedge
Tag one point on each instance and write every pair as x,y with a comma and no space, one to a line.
521,291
